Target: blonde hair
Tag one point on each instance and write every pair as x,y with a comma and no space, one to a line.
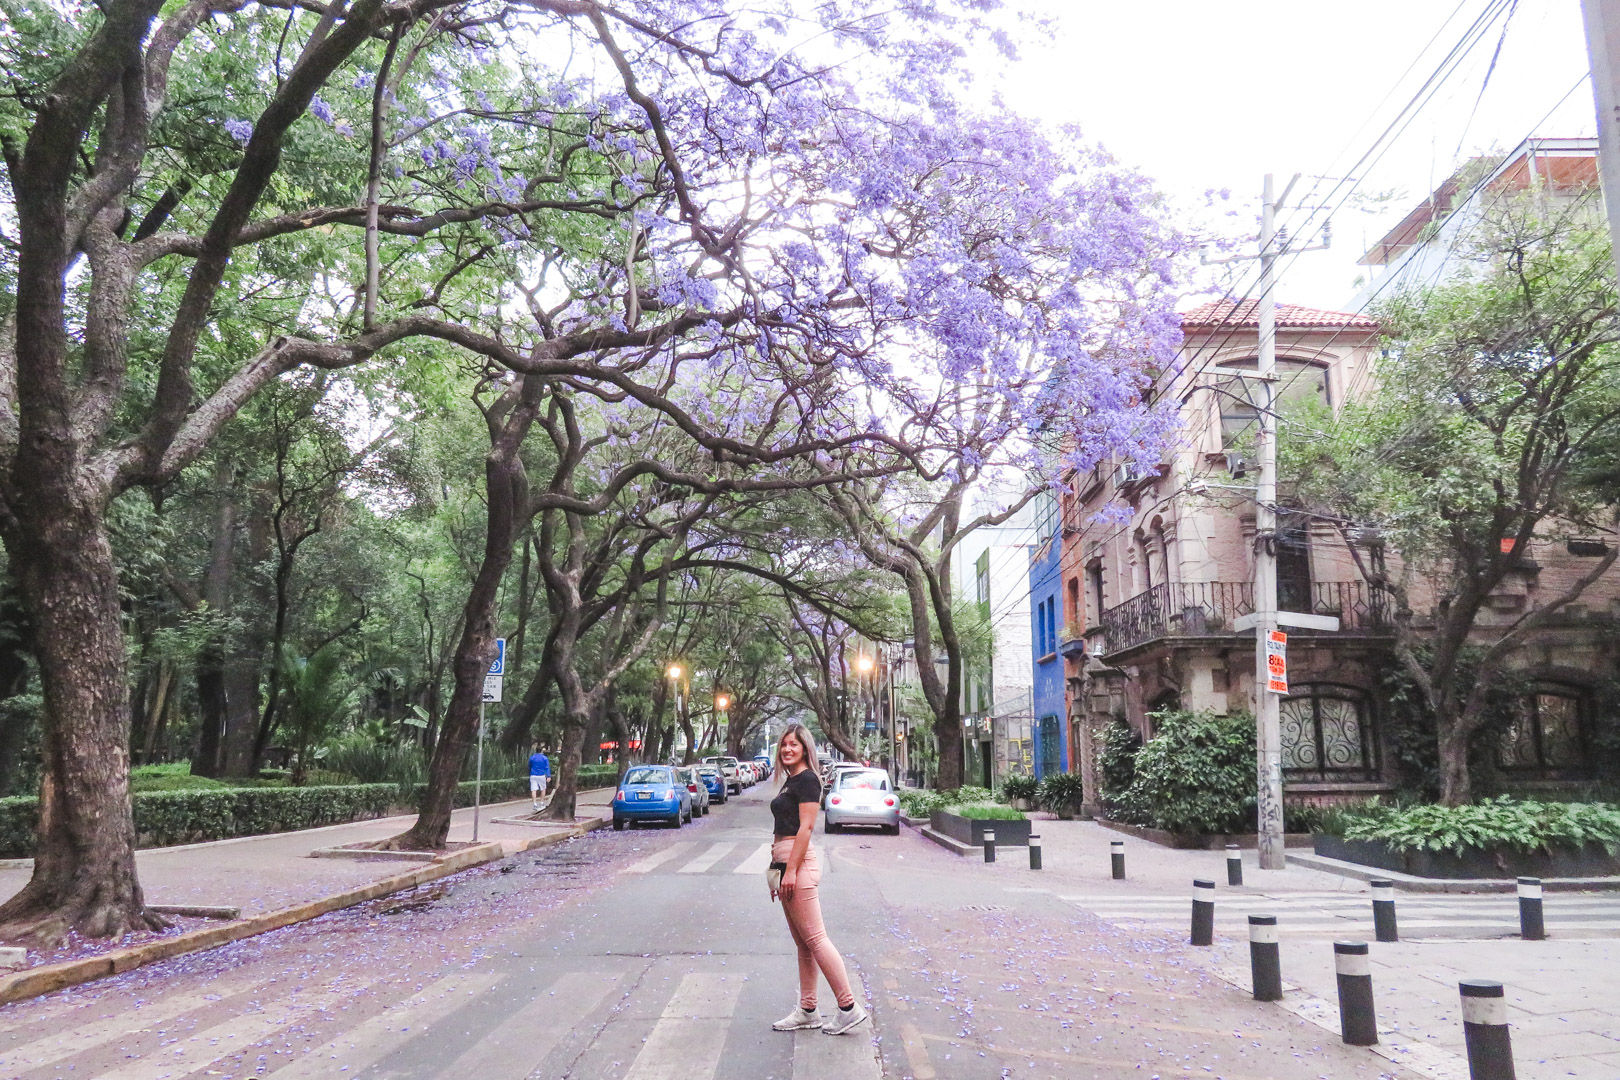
807,743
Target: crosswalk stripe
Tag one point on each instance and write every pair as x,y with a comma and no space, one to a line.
757,862
381,1035
682,1044
702,863
521,1042
230,1036
658,858
82,1037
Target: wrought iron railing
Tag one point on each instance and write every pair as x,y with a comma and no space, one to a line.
1202,608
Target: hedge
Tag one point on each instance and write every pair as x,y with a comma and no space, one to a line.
165,818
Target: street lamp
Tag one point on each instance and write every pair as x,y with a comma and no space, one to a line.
864,664
722,702
675,671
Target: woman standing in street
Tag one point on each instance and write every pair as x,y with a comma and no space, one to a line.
794,859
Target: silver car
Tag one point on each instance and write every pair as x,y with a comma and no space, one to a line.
862,797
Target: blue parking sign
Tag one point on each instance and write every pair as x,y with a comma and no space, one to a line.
499,665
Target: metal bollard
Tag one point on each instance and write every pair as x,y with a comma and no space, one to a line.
1234,865
1265,962
1531,926
989,845
1116,856
1354,968
1485,1030
1203,912
1384,928
1034,851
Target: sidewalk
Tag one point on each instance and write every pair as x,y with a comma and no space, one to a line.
1563,994
265,873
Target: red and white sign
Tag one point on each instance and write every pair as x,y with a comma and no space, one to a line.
1277,662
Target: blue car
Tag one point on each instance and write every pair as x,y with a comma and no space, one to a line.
651,793
714,782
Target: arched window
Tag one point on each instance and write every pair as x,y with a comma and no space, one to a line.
1546,736
1328,734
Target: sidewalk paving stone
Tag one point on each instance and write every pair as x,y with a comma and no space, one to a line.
1563,995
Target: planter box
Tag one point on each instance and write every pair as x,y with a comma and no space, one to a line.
1200,841
1588,860
971,830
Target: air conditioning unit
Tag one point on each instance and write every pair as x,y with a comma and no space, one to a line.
1127,472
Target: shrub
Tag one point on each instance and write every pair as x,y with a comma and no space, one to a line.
918,803
985,812
1061,792
973,795
1116,766
596,776
1196,775
1526,825
1019,787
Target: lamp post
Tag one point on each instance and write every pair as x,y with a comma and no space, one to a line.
676,673
865,665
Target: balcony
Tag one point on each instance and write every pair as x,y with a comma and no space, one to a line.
1207,609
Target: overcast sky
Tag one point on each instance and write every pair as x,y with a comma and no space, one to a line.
1204,96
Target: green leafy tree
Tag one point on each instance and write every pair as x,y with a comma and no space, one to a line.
1490,431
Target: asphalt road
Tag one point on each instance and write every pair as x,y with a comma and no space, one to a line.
655,954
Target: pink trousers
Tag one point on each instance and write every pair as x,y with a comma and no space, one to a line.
804,922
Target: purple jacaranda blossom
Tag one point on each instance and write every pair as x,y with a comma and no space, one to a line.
240,130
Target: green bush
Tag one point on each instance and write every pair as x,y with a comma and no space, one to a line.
973,795
1061,792
1019,787
1116,766
596,776
1526,825
917,803
1196,775
985,812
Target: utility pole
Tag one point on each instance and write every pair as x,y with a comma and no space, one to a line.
1267,708
1602,18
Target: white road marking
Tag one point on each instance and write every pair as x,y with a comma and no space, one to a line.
388,1030
230,1036
128,1023
758,861
522,1041
703,862
658,858
685,1043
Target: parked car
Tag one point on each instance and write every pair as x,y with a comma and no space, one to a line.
765,765
696,787
651,793
862,797
731,769
713,783
829,780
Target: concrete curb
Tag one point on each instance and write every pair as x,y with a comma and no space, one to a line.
51,977
1204,842
950,843
1413,883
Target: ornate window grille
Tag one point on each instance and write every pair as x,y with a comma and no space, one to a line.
1546,735
1329,733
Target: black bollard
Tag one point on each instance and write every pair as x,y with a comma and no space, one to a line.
989,845
1265,962
1354,968
1116,856
1203,912
1034,851
1384,928
1531,926
1234,865
1485,1030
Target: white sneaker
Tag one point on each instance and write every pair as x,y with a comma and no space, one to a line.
798,1020
845,1020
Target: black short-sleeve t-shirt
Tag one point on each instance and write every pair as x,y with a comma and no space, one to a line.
802,787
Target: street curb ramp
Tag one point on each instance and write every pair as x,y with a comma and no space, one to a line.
47,978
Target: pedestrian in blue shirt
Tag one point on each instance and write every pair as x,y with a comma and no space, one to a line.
539,776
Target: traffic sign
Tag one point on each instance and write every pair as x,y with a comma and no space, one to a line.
492,688
1277,662
498,665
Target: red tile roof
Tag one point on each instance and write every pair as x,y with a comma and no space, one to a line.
1231,315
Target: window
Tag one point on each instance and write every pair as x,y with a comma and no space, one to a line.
1328,734
981,581
1546,736
1094,575
1074,616
1293,563
1046,516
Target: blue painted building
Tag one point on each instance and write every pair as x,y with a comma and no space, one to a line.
1051,750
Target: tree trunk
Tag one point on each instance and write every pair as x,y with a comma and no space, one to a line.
507,497
562,805
84,877
1456,788
211,710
